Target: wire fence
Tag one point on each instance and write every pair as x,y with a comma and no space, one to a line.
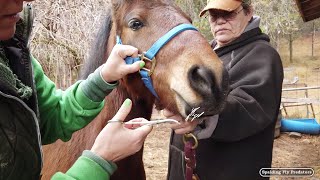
301,93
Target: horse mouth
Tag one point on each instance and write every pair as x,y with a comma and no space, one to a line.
187,109
184,102
191,110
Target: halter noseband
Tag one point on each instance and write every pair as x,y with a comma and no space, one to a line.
151,53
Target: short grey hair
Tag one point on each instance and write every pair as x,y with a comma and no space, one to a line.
247,7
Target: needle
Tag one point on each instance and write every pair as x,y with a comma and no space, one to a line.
153,122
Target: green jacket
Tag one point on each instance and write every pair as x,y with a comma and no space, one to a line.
64,112
45,116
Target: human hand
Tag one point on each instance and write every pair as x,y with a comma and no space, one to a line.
115,141
183,126
116,68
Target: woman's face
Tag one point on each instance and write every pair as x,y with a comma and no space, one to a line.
227,26
9,16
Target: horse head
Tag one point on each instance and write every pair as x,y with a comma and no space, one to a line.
187,73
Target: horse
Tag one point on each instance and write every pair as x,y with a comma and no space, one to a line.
188,74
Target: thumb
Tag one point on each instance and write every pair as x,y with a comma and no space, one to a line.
125,50
132,68
124,110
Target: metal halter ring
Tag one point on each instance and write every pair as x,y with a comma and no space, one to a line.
190,135
153,61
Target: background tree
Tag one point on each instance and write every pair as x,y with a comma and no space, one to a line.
279,18
64,29
193,8
62,34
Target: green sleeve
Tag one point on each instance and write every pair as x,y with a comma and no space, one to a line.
64,112
88,166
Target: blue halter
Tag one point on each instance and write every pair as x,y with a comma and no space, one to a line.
151,53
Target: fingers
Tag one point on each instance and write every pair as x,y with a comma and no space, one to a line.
184,127
115,68
132,68
136,123
125,50
134,126
123,111
140,130
167,113
143,131
138,133
183,130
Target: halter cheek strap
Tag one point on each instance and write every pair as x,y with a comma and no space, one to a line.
151,53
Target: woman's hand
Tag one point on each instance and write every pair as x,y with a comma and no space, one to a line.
184,126
116,68
115,141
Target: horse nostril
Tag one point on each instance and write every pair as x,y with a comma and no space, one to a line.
202,80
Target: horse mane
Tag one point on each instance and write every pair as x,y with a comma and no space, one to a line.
97,53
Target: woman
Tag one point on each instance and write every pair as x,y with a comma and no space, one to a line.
238,142
33,112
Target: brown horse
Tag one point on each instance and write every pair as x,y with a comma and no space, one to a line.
188,74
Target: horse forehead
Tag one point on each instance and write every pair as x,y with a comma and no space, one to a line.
148,6
146,3
155,9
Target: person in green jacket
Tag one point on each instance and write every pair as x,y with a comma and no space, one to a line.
34,112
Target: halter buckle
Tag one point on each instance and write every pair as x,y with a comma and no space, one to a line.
153,61
190,136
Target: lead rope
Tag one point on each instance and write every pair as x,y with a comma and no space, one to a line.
190,145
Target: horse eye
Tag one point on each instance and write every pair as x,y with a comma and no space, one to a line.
135,24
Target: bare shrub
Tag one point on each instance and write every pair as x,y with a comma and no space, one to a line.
62,34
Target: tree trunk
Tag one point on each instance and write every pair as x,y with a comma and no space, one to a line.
290,47
312,43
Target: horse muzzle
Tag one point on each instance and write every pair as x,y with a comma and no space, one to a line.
213,91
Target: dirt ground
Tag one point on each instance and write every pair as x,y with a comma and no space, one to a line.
288,152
